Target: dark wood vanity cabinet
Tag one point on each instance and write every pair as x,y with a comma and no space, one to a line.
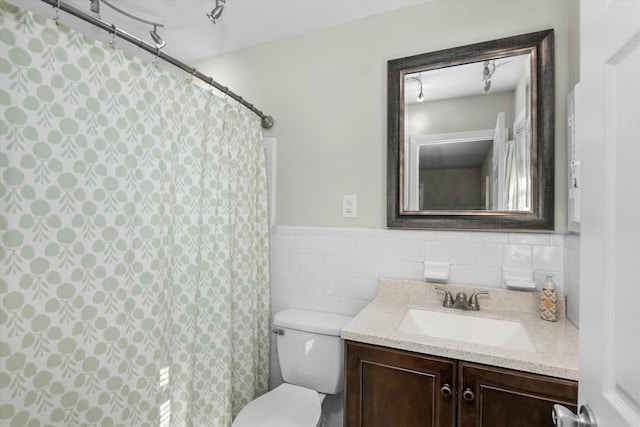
386,387
496,397
393,388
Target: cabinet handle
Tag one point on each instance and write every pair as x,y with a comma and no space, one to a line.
468,394
445,390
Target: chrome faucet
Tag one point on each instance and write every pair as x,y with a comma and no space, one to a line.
461,299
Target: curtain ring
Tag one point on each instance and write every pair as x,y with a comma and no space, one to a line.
56,17
193,73
112,43
156,60
226,94
240,103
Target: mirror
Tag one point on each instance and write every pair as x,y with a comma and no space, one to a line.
471,136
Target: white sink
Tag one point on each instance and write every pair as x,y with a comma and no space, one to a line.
472,329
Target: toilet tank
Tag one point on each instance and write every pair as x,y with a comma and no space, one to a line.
310,350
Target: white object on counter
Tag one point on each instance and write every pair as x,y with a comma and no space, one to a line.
518,279
436,271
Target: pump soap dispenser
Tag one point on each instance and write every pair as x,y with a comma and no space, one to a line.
548,300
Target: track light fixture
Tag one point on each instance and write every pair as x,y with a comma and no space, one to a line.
216,12
94,6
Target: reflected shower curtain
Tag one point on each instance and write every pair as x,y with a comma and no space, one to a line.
518,172
134,239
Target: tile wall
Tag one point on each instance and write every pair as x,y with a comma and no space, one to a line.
337,269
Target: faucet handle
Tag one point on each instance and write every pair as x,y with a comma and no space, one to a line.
473,300
448,298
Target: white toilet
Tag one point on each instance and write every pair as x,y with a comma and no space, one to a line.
310,352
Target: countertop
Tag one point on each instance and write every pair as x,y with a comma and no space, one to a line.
556,343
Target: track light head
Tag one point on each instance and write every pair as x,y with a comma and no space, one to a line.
94,6
159,41
216,12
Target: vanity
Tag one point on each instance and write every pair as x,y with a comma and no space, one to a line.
405,367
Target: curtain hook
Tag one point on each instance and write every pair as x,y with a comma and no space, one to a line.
112,42
56,17
239,103
226,94
193,73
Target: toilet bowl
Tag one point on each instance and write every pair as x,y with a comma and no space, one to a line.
310,353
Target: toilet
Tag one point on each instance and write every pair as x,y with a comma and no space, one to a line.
311,357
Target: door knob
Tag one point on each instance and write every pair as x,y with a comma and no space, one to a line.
563,417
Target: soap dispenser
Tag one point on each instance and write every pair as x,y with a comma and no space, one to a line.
548,300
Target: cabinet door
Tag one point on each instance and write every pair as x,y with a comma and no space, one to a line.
390,388
494,397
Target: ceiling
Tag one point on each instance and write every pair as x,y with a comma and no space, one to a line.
191,37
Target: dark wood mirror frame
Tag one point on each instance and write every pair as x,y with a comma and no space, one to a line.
541,217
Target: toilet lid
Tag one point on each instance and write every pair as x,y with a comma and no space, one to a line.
285,406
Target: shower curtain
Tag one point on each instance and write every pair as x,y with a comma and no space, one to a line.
134,239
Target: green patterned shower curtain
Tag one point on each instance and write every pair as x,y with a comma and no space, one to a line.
134,239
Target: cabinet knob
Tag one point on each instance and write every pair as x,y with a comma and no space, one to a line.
445,390
468,394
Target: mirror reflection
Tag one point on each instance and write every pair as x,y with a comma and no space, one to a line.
468,139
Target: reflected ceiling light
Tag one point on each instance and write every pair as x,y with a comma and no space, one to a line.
419,80
216,12
487,73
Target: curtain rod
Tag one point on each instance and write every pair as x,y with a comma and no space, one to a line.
267,121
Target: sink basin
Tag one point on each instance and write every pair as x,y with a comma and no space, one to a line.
471,329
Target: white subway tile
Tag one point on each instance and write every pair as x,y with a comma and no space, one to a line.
279,261
278,298
281,229
367,289
455,236
463,274
390,250
330,266
351,306
548,258
488,276
296,244
412,270
331,286
390,269
412,250
488,254
279,243
423,235
357,232
301,300
460,253
516,256
369,248
436,251
529,238
312,264
384,233
489,237
278,279
295,263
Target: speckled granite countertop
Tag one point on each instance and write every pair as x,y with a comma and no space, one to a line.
556,343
